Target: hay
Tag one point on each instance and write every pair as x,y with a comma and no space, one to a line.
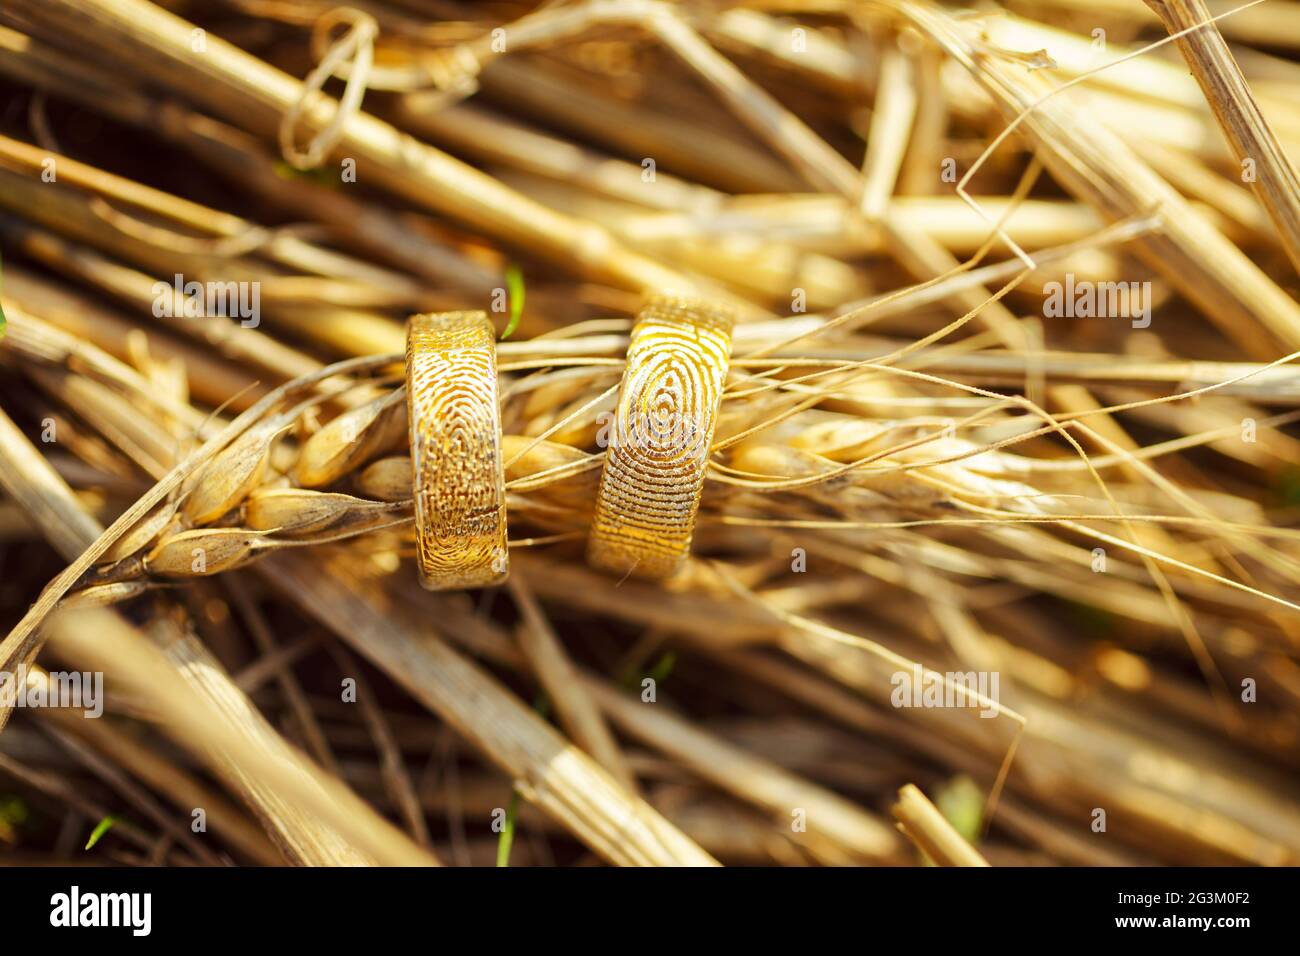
948,533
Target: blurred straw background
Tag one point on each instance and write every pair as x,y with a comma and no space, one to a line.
921,467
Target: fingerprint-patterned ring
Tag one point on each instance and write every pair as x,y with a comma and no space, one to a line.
658,447
456,465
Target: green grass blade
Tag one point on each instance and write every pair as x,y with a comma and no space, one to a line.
507,838
515,289
102,827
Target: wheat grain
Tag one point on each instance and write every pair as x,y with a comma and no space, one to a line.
351,439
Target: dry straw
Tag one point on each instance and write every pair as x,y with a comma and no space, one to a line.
916,470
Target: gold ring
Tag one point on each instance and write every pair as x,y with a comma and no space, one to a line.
658,445
456,466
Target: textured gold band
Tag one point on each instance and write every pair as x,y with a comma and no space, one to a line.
456,466
659,442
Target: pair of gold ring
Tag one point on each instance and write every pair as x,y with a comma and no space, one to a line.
657,449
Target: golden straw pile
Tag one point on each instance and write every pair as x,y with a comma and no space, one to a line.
998,553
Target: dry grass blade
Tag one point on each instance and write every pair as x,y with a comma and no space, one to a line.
546,769
1265,164
837,833
578,713
931,832
199,722
247,90
183,789
1098,167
